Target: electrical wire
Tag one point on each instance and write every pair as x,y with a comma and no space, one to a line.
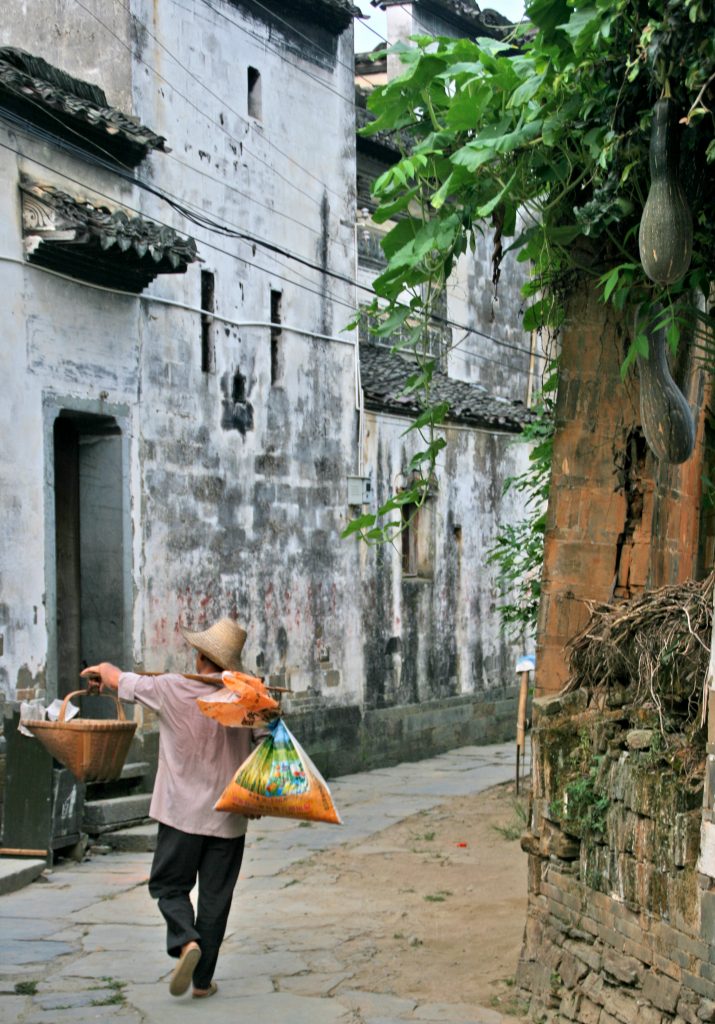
281,54
231,231
211,120
242,236
186,209
162,300
112,160
208,223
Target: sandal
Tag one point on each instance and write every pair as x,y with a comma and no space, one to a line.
182,973
205,993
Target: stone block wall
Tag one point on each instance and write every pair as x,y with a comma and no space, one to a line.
620,922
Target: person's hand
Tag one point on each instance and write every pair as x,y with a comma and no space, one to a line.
104,674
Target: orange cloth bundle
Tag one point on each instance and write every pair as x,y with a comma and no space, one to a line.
244,701
280,780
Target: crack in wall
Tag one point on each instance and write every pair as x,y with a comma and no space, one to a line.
630,472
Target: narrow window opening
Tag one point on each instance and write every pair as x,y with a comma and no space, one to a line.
254,93
239,388
408,540
418,540
276,336
208,361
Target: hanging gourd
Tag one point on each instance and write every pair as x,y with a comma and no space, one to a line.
667,418
665,238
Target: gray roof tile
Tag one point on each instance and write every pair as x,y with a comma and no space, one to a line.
464,13
384,375
71,108
96,243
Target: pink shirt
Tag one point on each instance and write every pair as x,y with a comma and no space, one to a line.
197,756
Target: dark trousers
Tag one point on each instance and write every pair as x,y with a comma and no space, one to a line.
179,859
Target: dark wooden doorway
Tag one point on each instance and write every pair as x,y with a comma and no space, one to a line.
90,557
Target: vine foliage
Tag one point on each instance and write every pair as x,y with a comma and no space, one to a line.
543,139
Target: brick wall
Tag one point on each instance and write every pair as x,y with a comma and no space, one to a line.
618,520
621,913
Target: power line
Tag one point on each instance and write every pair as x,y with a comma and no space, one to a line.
203,113
234,232
185,208
114,160
254,35
222,99
238,234
229,231
209,224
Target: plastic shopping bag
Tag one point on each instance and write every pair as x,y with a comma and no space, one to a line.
243,701
226,708
280,780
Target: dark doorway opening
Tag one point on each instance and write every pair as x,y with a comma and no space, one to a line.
89,545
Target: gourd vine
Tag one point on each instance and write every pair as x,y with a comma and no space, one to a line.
544,139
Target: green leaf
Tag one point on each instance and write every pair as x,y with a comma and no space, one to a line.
526,91
358,525
673,337
581,27
487,208
388,209
392,322
430,417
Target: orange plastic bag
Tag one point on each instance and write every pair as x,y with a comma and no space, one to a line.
244,701
227,708
280,780
254,700
230,678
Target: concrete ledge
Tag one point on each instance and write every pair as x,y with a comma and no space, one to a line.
17,872
115,812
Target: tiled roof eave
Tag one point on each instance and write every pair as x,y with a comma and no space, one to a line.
408,411
98,244
384,377
104,121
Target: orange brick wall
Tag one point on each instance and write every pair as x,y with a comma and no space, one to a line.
618,520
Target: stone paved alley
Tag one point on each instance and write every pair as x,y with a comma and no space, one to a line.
70,943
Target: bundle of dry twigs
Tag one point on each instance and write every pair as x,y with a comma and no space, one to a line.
656,645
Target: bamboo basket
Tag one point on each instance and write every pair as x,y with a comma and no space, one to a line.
94,749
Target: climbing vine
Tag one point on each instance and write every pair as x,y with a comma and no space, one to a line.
543,139
519,546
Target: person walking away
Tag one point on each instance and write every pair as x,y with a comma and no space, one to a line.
197,756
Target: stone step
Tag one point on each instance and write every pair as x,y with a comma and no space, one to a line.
135,770
17,872
137,839
115,812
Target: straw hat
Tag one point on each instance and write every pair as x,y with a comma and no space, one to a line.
222,643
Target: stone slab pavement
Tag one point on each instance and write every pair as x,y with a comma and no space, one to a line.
85,942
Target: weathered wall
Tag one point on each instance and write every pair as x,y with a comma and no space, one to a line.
485,296
233,477
618,520
621,900
437,634
94,47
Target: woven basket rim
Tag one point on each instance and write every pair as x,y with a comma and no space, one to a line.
85,725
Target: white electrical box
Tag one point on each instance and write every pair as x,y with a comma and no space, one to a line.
359,490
